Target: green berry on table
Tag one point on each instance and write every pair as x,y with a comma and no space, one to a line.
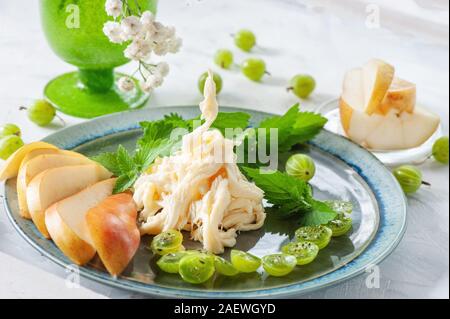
409,178
441,149
41,112
254,69
217,79
302,85
9,129
245,40
224,58
8,145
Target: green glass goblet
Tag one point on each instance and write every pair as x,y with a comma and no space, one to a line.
74,30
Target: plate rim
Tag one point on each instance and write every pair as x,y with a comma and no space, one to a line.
287,290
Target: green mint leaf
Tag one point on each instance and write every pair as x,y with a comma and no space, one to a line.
155,131
291,196
108,161
124,183
132,167
281,189
283,122
307,126
294,127
235,120
291,209
125,162
147,153
144,153
320,214
285,126
162,129
175,119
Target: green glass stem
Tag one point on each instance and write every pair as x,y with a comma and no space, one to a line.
74,30
98,81
70,94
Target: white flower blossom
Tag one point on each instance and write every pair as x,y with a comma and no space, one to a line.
160,33
147,33
138,50
113,31
113,8
158,39
158,25
160,48
146,87
126,84
147,36
169,32
174,45
155,80
163,68
148,29
131,27
148,24
147,19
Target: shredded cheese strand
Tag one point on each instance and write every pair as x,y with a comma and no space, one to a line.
200,188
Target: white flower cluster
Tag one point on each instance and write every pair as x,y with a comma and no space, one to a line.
114,8
146,36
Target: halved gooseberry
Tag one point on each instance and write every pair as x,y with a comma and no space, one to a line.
319,235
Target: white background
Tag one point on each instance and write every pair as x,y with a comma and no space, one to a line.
321,37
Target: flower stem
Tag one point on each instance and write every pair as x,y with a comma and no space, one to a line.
134,73
140,71
61,119
148,66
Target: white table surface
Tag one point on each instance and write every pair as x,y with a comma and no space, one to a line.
322,37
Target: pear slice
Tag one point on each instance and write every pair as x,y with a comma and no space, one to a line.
66,221
357,124
11,168
113,229
377,77
419,126
38,161
380,113
353,90
55,184
401,96
393,131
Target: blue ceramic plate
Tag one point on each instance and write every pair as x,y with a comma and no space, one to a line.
344,171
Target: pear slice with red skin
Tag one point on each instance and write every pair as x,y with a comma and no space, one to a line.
114,232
